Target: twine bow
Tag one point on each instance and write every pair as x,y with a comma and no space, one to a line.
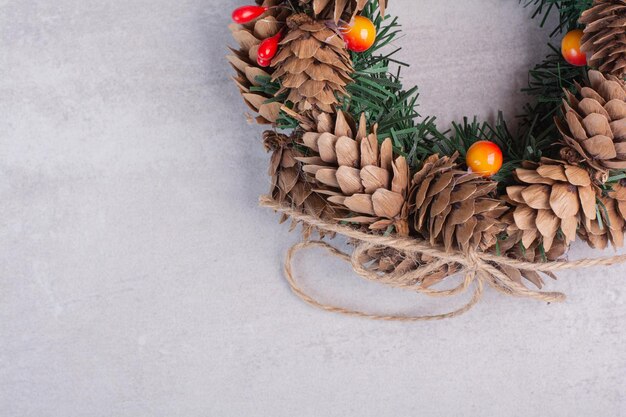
479,268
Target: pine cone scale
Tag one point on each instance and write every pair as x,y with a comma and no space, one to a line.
564,200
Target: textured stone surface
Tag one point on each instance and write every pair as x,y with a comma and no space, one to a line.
138,278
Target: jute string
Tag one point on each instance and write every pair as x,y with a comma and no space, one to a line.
479,268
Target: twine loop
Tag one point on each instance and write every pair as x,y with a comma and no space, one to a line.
479,269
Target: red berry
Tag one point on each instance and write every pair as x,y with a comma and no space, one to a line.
246,14
269,47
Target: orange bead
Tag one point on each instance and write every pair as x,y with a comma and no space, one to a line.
360,35
570,48
484,158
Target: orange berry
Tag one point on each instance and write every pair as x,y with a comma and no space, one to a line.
484,158
360,35
570,48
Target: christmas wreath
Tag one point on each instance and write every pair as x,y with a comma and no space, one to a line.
350,155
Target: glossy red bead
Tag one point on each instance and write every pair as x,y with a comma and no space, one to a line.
268,48
246,14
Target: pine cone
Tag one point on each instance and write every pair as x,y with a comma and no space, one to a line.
552,196
452,207
340,9
604,40
244,60
359,174
595,126
312,65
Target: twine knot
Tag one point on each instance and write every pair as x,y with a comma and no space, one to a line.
474,262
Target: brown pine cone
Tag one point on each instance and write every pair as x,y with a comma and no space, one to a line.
594,127
604,40
552,196
313,65
358,174
454,208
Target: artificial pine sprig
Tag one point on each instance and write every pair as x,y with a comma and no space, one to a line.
569,12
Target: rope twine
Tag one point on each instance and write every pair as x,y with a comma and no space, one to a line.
479,268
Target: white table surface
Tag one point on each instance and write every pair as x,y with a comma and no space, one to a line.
138,277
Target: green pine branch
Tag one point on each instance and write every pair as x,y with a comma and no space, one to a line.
569,12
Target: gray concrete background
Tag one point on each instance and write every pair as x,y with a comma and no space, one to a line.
138,277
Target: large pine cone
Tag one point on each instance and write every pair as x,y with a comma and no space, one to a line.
452,207
313,65
359,174
594,128
552,196
340,9
604,40
244,60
